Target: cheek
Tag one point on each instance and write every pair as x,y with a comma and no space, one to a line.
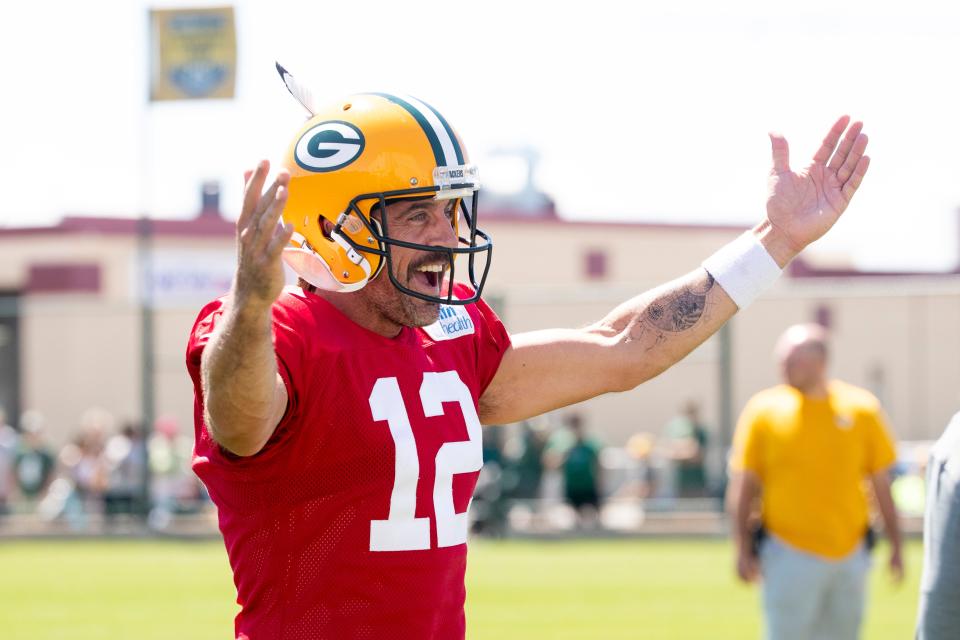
401,259
375,289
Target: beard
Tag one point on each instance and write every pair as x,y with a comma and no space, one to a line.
418,313
398,307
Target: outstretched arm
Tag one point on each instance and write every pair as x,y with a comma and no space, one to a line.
244,395
545,370
641,338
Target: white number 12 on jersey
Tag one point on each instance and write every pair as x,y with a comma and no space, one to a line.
402,530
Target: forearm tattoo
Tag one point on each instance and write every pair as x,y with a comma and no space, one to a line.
679,311
672,312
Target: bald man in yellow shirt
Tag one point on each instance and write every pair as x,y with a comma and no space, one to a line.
805,451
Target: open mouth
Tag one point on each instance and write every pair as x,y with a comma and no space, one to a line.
428,277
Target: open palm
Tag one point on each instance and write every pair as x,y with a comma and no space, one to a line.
260,239
803,205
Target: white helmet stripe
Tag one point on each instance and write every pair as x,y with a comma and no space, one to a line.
446,149
446,143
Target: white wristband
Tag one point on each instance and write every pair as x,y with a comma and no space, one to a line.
743,268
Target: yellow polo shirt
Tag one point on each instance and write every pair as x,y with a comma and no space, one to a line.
812,457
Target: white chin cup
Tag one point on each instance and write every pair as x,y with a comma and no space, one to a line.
308,265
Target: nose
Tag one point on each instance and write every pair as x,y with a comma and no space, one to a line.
441,229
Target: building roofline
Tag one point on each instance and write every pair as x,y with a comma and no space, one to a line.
204,226
801,269
219,226
103,225
500,215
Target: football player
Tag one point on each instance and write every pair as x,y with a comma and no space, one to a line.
338,423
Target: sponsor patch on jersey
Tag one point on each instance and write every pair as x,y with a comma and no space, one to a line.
454,322
329,146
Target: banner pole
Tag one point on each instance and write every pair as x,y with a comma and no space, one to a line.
145,279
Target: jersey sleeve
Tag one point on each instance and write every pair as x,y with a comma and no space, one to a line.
747,440
881,451
492,342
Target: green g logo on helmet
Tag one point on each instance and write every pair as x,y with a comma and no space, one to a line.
329,146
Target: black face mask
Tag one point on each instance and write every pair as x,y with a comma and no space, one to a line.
477,245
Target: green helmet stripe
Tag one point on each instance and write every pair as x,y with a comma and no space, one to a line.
449,130
446,150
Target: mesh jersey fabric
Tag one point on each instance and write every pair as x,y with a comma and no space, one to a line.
297,517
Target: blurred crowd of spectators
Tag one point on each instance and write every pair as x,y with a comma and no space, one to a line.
556,473
96,479
535,466
99,477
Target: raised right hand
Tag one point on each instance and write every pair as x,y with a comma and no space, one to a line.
260,240
803,205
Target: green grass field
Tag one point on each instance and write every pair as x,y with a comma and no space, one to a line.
577,589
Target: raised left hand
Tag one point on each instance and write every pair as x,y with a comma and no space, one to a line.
803,205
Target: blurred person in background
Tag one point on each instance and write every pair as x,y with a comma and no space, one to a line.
77,492
174,488
641,481
338,423
35,462
523,474
527,462
62,500
8,448
938,615
89,469
125,456
578,459
489,506
685,445
804,451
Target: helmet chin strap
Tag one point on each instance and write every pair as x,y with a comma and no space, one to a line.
376,224
353,255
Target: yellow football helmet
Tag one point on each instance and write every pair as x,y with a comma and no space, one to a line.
365,151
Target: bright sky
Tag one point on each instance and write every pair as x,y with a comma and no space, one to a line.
646,114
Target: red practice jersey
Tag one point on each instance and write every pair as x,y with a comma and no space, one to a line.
351,522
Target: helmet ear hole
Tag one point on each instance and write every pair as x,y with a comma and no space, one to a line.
326,227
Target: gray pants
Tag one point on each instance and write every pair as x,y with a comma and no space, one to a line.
939,611
807,597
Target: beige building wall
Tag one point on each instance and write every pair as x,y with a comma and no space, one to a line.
83,350
77,354
895,336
